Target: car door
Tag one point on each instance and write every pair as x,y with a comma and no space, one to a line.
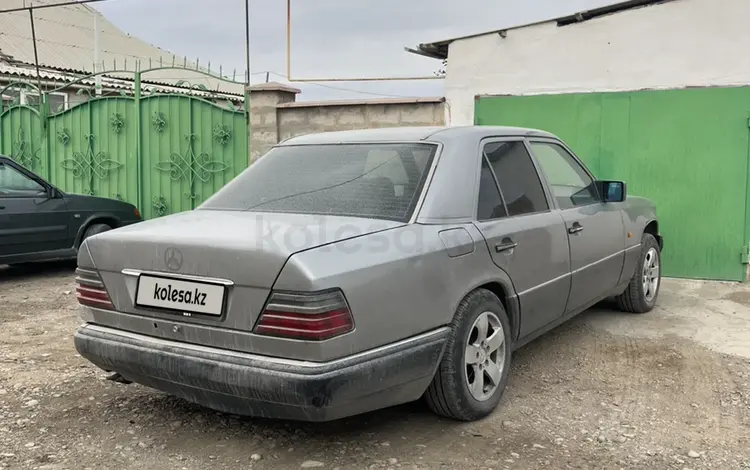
595,229
525,238
30,221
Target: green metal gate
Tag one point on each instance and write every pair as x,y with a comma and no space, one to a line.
163,152
686,150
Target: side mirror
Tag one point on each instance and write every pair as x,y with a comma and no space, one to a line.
612,191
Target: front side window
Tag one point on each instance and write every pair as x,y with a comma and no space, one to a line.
380,181
570,183
519,182
15,183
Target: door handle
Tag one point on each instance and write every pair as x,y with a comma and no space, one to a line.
506,245
575,228
2,207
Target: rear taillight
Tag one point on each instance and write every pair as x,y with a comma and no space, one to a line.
90,289
316,316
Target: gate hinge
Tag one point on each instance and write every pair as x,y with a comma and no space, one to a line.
745,254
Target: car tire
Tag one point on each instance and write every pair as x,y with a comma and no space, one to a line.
641,294
453,391
94,230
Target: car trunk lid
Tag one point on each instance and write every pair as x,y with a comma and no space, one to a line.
208,267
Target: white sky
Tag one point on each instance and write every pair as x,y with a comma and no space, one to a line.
330,38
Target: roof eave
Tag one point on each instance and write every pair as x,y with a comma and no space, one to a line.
438,50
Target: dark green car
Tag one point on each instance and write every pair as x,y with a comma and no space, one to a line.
38,222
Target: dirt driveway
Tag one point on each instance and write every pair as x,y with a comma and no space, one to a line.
668,390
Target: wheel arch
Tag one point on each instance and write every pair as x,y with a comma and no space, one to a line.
103,218
652,227
503,289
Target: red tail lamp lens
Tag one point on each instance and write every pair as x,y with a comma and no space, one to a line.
312,317
90,289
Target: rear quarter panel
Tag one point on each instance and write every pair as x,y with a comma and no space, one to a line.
398,282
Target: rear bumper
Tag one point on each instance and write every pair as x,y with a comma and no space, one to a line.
261,386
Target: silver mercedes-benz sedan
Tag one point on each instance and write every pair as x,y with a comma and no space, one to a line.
350,271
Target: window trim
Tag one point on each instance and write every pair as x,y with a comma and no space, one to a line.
542,181
25,94
18,196
484,159
420,196
11,164
552,141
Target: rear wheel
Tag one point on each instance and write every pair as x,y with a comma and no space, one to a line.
94,230
640,295
473,373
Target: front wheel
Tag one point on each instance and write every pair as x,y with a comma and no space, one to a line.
640,295
473,372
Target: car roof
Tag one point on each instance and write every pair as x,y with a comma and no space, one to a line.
412,134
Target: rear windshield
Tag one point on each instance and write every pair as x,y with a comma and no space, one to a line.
381,181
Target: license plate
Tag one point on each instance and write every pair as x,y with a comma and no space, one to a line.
186,297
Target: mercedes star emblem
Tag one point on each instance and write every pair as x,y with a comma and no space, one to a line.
173,258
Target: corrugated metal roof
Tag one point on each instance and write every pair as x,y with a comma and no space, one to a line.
58,78
65,41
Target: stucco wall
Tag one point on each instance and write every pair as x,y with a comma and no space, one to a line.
276,116
672,45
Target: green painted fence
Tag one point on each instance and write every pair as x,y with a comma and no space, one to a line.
165,153
687,150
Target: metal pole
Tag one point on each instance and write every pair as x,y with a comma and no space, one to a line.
333,79
247,82
289,40
97,78
138,140
36,54
247,40
364,79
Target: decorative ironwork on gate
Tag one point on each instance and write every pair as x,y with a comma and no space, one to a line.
165,148
188,166
22,152
90,164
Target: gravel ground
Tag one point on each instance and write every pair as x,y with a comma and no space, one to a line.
583,396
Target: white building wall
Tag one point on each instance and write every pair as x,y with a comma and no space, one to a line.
671,45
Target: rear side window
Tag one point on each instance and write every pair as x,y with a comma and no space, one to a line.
490,204
381,181
519,182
